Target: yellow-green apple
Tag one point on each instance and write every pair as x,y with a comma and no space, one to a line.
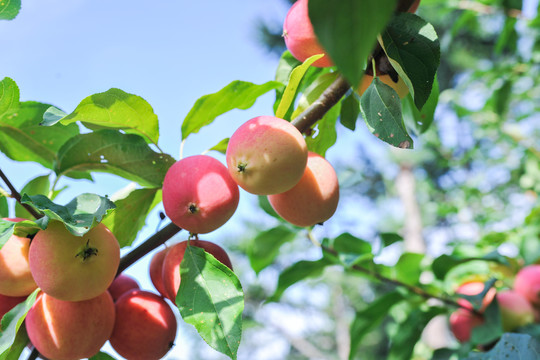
74,268
9,302
515,310
122,284
15,276
266,155
199,195
474,288
171,263
156,270
314,199
527,283
462,321
68,330
299,36
145,326
400,87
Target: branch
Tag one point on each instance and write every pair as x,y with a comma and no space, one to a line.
33,355
148,245
316,111
15,194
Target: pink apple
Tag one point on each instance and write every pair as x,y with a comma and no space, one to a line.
475,288
462,322
527,283
314,199
267,155
74,268
145,326
122,284
199,195
516,311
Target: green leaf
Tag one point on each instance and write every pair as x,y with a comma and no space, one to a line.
9,94
477,301
507,40
18,346
381,108
125,155
510,346
267,207
12,321
351,249
37,186
422,119
23,139
408,268
236,95
500,100
348,29
371,317
130,214
298,271
350,109
264,248
324,134
412,46
314,91
444,263
491,329
221,146
292,85
4,208
79,215
102,356
9,9
211,299
6,230
115,109
390,238
409,331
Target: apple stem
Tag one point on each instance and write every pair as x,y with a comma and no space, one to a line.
87,252
17,196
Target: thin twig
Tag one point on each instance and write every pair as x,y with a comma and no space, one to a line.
15,194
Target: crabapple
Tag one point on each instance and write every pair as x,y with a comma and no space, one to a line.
515,310
462,321
15,276
314,199
199,195
145,326
67,330
266,155
171,263
74,268
414,7
299,36
122,284
9,302
156,271
400,87
475,288
527,283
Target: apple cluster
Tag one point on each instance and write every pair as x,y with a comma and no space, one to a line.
80,304
518,306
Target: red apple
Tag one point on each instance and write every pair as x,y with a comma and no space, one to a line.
145,326
414,6
156,271
462,321
68,330
314,199
299,36
122,284
527,283
199,195
475,288
267,155
74,268
9,302
15,276
171,263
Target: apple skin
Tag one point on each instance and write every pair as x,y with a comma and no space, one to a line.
145,326
266,155
15,276
515,310
400,87
62,266
462,321
171,263
199,195
475,288
299,36
414,7
156,271
527,283
67,330
9,302
122,284
314,199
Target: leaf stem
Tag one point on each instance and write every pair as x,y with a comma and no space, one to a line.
17,196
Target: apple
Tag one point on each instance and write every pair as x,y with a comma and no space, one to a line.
475,288
400,87
515,310
266,155
414,7
122,284
67,330
314,199
199,195
171,263
145,326
299,36
15,276
9,302
156,271
462,321
74,268
527,283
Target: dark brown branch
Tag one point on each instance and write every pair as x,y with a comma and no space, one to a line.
316,111
148,245
34,354
15,194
